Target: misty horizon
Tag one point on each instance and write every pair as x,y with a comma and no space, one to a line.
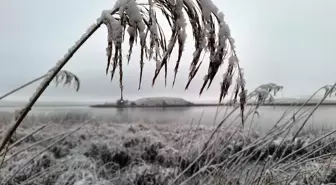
274,43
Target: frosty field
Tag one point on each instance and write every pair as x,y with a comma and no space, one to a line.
78,145
240,144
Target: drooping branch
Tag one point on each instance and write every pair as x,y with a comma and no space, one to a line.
22,86
210,32
141,22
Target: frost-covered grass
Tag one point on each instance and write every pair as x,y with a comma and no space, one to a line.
80,150
139,21
102,152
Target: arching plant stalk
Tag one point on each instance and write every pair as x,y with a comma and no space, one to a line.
22,86
209,29
63,76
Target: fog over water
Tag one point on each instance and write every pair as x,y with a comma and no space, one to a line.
271,39
324,117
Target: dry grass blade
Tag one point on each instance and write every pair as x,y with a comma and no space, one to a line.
328,92
46,171
22,86
293,177
32,145
302,161
302,148
207,165
24,138
45,149
206,146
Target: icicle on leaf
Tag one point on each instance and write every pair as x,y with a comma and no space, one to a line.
193,67
193,74
178,29
115,61
132,34
236,94
181,48
143,44
109,44
209,30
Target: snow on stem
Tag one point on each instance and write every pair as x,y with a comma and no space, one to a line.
140,22
45,83
209,29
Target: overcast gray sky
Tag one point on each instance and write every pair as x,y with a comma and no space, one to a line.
287,42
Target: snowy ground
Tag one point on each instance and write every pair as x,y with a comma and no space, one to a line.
101,152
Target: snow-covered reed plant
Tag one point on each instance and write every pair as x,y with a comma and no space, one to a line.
329,90
270,87
263,92
65,77
140,21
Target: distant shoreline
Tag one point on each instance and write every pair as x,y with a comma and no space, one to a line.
171,104
207,105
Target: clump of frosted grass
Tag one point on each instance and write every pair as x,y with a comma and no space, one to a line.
170,153
139,21
145,153
222,157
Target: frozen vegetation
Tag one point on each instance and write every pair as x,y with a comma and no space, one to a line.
138,22
79,149
67,151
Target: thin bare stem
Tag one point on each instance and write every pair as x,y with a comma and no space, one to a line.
45,83
35,144
22,86
60,76
24,138
302,148
312,112
45,149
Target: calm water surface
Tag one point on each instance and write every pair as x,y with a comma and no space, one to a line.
325,116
